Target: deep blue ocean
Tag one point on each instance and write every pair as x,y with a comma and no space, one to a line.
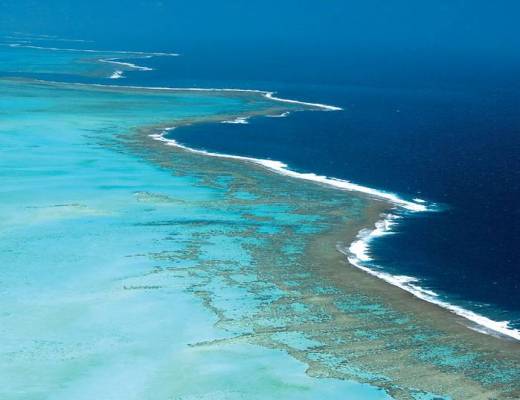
431,101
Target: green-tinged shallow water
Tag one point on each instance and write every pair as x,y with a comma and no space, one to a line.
134,270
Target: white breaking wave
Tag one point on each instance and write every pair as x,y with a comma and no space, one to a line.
65,40
117,75
270,95
139,53
27,38
267,94
126,64
282,115
282,168
358,255
113,60
238,120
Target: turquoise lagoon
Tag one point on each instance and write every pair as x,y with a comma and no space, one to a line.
135,270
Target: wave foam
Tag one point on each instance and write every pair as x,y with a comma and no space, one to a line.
358,255
238,120
267,94
125,64
282,168
270,95
118,74
26,38
282,115
139,53
112,60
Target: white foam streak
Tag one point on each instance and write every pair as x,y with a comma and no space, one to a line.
271,96
358,255
29,38
125,64
238,120
113,60
282,115
117,75
281,168
138,53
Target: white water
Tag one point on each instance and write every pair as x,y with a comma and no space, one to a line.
26,38
238,120
282,168
126,64
358,255
282,115
118,74
140,53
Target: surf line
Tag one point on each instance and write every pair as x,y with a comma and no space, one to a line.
358,255
266,94
357,252
140,53
282,168
117,74
416,205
